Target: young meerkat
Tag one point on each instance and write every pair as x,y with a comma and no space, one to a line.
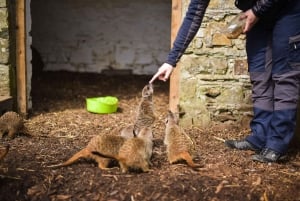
180,146
3,151
107,144
135,153
11,123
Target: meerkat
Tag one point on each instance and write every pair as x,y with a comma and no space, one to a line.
135,153
145,116
107,144
127,132
145,112
180,146
11,123
3,151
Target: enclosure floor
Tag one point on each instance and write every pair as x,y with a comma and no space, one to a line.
60,126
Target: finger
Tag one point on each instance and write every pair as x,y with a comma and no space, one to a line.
154,78
246,28
167,75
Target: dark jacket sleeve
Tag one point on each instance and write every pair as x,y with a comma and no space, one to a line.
187,30
263,8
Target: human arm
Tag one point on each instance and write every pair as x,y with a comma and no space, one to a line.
187,31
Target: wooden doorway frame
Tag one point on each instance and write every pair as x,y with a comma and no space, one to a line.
21,68
21,63
174,80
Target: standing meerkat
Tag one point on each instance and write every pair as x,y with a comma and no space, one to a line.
108,144
11,123
135,153
180,146
145,113
145,116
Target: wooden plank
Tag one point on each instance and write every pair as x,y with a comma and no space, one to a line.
21,58
174,80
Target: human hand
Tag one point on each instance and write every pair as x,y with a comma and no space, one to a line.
251,20
163,73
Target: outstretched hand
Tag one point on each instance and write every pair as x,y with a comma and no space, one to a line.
163,73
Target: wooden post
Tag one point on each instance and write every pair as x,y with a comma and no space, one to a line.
21,58
174,80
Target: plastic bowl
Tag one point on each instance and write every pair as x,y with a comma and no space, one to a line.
102,105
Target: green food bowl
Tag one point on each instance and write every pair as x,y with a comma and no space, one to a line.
102,105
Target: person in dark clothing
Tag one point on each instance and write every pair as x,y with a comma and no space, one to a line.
273,52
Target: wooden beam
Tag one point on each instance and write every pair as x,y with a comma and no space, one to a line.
174,80
21,57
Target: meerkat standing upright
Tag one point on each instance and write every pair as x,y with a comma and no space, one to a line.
145,116
180,146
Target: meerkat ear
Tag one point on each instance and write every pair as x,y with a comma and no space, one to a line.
169,116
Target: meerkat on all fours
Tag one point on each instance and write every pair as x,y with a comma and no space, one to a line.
135,153
108,144
11,123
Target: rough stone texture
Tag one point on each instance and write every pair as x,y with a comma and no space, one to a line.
4,50
2,3
4,53
214,80
4,80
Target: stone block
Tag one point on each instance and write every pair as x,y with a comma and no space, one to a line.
241,67
188,88
2,3
4,52
231,94
195,113
3,18
221,4
219,65
4,80
220,39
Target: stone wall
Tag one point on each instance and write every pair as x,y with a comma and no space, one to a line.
214,80
4,50
92,36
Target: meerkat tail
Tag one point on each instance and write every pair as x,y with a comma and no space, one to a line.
189,160
121,160
84,153
5,151
104,155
